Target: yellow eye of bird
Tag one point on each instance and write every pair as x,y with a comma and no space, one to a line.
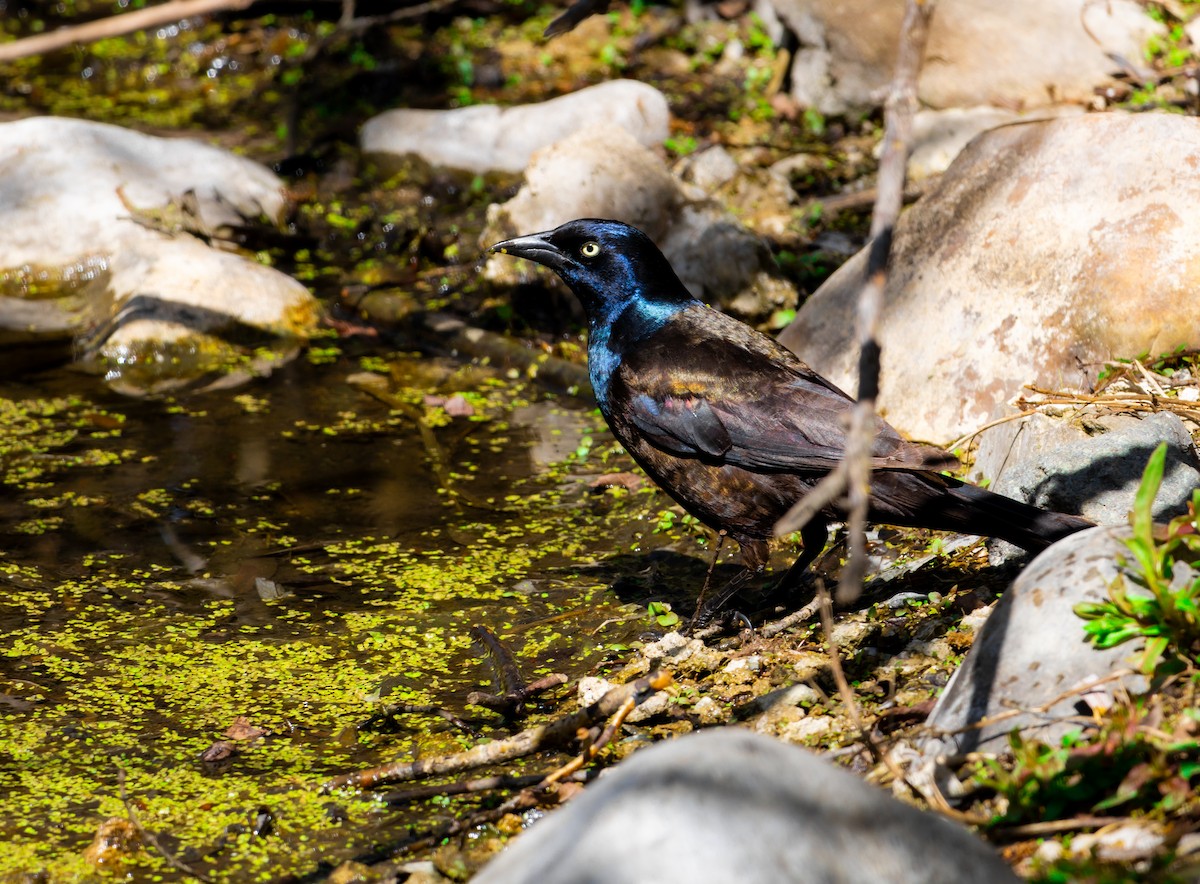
590,249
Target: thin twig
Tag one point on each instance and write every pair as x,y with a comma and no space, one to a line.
463,787
861,199
115,26
1053,827
369,21
1113,401
989,720
899,109
825,607
510,703
770,630
393,709
963,440
526,798
825,492
1156,392
711,567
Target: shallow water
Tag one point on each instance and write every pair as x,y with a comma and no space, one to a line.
297,551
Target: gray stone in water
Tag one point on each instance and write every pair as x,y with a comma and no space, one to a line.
154,305
1090,465
729,805
1032,650
487,138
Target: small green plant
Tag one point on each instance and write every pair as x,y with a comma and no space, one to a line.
814,121
681,145
1128,763
1159,598
662,614
665,522
1171,49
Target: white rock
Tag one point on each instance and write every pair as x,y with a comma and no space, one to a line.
940,135
752,663
177,297
807,728
596,173
486,138
62,182
602,172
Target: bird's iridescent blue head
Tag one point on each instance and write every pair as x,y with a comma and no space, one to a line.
608,265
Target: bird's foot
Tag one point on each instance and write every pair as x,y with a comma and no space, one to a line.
707,622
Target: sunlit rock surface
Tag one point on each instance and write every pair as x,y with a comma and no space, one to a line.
487,138
1045,250
1056,51
729,805
98,243
940,135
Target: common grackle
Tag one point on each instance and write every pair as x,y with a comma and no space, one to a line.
732,424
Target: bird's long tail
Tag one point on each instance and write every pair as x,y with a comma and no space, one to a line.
951,505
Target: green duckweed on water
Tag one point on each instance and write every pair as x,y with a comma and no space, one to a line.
183,590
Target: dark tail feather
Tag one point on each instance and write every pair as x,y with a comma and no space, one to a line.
931,500
994,515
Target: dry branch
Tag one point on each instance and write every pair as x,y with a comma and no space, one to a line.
469,787
899,108
115,26
555,733
853,475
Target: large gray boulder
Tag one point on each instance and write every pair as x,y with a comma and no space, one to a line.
1045,250
729,805
95,245
1020,54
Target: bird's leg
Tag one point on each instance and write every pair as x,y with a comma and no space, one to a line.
814,536
754,560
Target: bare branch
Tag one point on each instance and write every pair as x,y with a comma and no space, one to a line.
114,26
899,109
853,475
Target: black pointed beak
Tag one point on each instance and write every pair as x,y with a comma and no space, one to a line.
534,247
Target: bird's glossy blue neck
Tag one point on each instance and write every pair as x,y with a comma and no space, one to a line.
612,332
